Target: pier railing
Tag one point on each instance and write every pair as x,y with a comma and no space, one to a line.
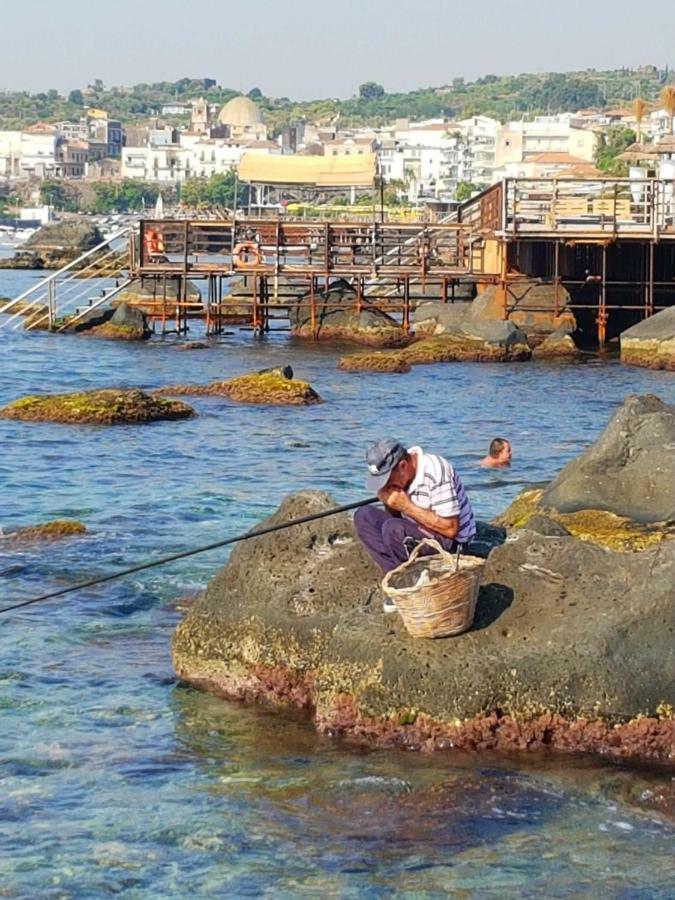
616,207
278,247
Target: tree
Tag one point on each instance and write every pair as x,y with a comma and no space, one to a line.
60,195
76,98
639,110
370,90
615,140
667,98
255,94
465,190
218,190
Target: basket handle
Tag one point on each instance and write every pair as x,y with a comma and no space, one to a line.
434,544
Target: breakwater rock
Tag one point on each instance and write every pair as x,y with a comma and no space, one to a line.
111,406
272,386
572,646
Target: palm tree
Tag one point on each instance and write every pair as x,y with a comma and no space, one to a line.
639,110
667,98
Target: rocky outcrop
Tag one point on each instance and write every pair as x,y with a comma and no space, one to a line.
628,470
119,406
651,343
271,387
46,531
554,660
54,246
337,318
571,648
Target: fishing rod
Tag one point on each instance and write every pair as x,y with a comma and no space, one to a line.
167,559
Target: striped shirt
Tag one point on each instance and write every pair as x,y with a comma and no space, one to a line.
436,486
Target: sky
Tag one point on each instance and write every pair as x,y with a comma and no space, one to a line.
307,49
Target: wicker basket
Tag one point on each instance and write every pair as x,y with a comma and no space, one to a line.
440,603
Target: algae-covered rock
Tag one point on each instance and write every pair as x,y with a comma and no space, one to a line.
558,345
595,525
377,361
49,531
337,318
570,641
651,343
125,324
459,347
271,387
116,406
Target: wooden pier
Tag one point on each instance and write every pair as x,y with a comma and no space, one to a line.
610,243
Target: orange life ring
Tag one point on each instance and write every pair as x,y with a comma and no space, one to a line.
246,255
154,244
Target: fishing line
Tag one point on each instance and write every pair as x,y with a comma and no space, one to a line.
167,559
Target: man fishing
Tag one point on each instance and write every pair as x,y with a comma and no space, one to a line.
423,497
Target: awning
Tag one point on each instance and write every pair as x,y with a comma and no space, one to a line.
312,171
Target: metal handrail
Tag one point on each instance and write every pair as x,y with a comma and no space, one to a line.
50,279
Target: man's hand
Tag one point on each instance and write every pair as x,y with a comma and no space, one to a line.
395,499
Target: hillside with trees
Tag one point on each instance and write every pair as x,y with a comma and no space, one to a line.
503,97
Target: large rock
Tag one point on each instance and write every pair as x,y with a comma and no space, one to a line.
569,643
651,343
532,307
436,317
628,470
148,295
337,319
127,323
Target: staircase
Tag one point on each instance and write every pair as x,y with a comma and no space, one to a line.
66,296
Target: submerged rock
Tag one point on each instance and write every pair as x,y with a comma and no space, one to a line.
554,660
272,387
376,361
651,343
116,406
54,530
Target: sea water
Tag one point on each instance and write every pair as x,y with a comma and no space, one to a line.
115,779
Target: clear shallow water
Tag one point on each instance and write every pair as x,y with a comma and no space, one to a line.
116,780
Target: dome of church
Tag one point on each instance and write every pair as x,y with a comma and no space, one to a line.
240,111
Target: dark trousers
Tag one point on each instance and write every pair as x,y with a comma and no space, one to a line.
382,534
